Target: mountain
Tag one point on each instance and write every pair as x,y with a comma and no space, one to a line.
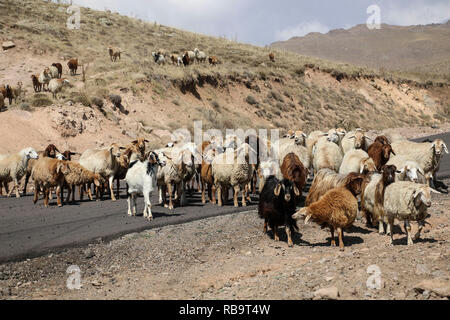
390,47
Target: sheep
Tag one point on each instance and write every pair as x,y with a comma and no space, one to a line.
114,53
200,56
13,167
73,66
372,198
141,178
356,139
55,86
54,72
287,146
159,58
325,180
79,176
191,55
293,170
277,205
357,160
17,91
312,140
427,155
236,173
173,173
407,201
7,93
409,170
272,57
206,176
186,60
36,84
48,173
45,77
132,153
337,209
176,59
60,69
380,151
213,60
51,151
104,162
266,169
326,155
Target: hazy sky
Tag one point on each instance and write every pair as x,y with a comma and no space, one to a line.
262,22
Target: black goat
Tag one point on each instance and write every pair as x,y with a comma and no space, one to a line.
277,205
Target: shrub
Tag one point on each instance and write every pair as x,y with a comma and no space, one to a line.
251,100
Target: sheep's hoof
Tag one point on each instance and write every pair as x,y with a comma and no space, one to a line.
166,206
342,249
150,218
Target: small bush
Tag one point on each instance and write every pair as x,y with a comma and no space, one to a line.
97,102
41,100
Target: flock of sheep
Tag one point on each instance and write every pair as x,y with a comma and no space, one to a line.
390,178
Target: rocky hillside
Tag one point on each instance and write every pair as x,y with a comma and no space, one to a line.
390,47
246,90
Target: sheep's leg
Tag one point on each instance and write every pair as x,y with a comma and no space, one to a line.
248,188
199,182
203,193
380,227
129,205
69,191
16,186
50,194
160,191
236,194
80,192
27,177
265,226
111,189
169,188
341,238
148,206
391,227
58,196
333,241
245,195
421,226
219,196
133,197
36,193
213,194
118,188
181,191
276,237
289,236
46,196
408,233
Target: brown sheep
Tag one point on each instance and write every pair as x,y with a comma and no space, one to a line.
272,57
48,173
114,53
186,60
293,170
59,67
73,66
79,176
213,60
206,176
7,92
380,151
36,84
324,181
2,102
337,209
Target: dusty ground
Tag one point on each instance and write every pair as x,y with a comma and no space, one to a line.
229,257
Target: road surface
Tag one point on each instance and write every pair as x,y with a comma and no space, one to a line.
28,230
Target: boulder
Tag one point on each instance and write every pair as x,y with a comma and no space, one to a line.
8,45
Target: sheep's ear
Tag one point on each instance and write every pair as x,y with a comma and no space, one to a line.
368,138
296,191
392,151
434,191
122,148
277,190
445,148
352,137
146,141
134,142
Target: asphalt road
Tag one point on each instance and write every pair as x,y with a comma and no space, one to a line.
28,230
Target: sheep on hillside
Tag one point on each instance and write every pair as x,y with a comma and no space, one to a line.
327,155
48,173
356,139
200,56
357,161
60,69
45,77
56,85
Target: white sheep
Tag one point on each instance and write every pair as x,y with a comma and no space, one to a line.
159,58
427,155
13,167
357,161
104,162
55,86
409,170
54,72
141,179
326,155
200,56
45,77
407,201
287,146
356,139
232,169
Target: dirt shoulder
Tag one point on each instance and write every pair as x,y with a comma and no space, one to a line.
229,257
